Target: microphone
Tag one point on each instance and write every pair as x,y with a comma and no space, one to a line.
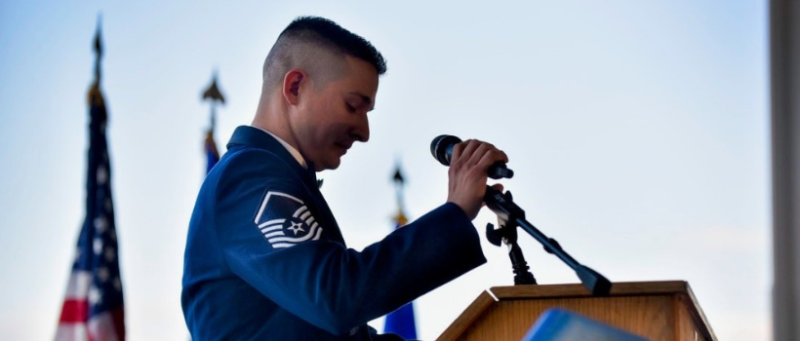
442,150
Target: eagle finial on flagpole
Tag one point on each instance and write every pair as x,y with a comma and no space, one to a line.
98,48
95,97
214,95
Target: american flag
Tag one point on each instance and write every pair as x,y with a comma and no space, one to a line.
93,304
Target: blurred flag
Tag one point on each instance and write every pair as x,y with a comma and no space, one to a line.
401,321
212,155
93,305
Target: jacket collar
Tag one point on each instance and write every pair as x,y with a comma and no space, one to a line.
252,137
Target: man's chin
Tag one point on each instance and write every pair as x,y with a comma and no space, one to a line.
330,165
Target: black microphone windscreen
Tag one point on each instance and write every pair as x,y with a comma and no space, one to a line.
441,147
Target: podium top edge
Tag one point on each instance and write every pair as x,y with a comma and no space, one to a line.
578,290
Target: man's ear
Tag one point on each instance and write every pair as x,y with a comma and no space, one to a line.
291,85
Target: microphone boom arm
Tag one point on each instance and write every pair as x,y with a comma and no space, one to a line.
501,203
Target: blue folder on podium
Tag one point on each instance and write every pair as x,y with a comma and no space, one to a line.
563,325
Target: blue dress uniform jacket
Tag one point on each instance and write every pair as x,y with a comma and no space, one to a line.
265,259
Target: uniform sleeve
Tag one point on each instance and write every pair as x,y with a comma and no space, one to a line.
272,240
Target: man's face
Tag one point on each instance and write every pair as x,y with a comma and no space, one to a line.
332,116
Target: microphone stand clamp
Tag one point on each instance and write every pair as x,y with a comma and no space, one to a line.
507,234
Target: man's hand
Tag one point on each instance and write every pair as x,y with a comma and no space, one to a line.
469,165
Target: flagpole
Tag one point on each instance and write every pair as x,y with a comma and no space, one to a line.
401,321
399,186
98,50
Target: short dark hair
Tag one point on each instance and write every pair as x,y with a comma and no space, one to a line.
326,32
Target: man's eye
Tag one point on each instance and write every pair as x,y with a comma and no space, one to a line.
350,108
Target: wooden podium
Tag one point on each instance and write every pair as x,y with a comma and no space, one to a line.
659,311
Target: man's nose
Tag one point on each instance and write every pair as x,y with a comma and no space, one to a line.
361,130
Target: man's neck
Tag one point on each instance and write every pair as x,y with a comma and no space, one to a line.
285,140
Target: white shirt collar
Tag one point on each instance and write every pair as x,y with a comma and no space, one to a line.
296,154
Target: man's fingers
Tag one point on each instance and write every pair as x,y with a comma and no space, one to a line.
491,157
462,150
477,156
498,187
472,151
480,151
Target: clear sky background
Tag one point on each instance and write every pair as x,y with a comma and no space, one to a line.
638,131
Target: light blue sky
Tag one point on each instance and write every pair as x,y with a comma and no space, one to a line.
638,131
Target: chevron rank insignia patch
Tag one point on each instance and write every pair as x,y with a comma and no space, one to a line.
286,221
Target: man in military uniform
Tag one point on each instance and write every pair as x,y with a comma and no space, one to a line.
265,258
